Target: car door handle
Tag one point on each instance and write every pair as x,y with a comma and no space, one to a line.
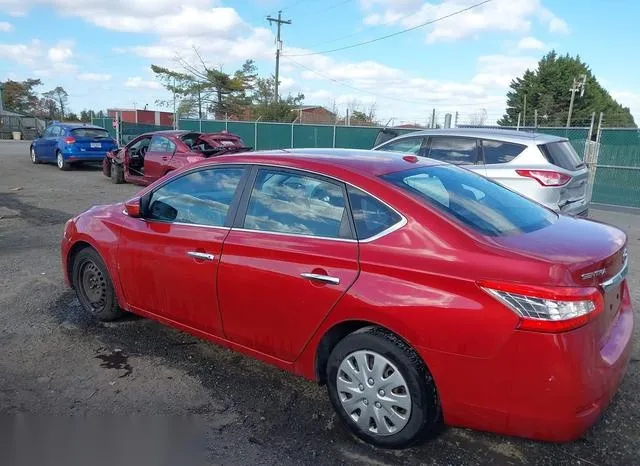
201,255
165,158
321,278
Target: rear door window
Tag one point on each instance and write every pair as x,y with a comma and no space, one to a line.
161,144
370,216
297,203
499,151
456,150
561,154
406,145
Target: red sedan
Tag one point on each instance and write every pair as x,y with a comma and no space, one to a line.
151,156
416,291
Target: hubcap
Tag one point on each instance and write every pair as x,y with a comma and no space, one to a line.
93,285
60,160
374,393
33,155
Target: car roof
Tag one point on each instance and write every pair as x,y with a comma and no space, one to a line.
506,135
362,162
78,125
169,132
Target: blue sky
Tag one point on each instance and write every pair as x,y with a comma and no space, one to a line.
101,50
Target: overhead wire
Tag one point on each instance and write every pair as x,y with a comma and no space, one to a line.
397,33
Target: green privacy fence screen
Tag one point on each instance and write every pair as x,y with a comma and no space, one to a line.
617,167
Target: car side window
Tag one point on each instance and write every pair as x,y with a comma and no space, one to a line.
55,131
202,197
406,145
47,133
455,150
297,203
161,144
371,217
500,152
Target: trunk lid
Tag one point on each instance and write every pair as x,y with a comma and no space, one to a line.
579,253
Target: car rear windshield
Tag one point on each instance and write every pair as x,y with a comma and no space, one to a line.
473,200
562,154
90,133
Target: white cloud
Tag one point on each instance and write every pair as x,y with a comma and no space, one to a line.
5,27
498,15
62,52
628,99
94,77
530,43
24,54
497,71
137,82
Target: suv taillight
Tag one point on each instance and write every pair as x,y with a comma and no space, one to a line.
547,309
546,177
69,140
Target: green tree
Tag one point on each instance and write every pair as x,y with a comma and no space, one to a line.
214,90
265,107
547,91
20,96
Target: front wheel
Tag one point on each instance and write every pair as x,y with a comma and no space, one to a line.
117,173
381,389
93,286
62,163
34,157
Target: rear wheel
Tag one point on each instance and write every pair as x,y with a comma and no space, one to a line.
117,173
93,286
34,157
61,162
381,389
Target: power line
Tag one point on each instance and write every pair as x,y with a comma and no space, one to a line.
397,33
293,5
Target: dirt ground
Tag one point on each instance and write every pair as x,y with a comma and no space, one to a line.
56,361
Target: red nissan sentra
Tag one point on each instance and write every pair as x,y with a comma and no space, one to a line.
416,291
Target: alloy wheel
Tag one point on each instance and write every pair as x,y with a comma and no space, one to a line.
374,393
60,160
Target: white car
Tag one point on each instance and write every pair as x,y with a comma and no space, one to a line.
539,166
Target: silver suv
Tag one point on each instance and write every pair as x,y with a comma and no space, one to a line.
542,167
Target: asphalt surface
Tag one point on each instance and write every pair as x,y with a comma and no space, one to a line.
56,361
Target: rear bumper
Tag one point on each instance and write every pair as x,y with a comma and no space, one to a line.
84,156
540,386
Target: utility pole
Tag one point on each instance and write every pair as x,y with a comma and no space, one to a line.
578,85
433,118
279,21
524,112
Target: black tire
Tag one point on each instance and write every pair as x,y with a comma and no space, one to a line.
93,286
61,162
117,173
425,407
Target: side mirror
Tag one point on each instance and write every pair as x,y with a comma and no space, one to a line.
132,207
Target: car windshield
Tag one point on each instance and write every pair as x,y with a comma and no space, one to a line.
472,200
90,133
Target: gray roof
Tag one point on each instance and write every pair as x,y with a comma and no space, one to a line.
507,135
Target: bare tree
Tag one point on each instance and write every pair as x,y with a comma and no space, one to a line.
478,118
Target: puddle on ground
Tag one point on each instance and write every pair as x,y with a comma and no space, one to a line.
115,360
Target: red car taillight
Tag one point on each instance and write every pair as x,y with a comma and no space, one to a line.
69,140
547,309
546,177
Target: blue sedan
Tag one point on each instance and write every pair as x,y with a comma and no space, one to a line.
69,143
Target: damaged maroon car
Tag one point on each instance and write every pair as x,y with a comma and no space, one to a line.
152,155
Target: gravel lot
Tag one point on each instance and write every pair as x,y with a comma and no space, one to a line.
57,361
